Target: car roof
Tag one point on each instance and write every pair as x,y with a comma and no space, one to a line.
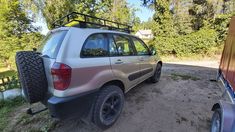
92,30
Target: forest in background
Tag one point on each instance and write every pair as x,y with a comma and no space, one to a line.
181,28
185,28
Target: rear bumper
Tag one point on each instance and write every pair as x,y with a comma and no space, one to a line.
74,106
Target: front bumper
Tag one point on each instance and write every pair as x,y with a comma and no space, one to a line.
74,106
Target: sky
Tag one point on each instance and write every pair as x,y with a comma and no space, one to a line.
143,13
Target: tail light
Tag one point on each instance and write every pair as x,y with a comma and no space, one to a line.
61,74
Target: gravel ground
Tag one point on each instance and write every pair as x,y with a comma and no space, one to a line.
180,102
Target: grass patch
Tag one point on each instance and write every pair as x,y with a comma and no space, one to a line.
41,122
176,76
7,73
6,107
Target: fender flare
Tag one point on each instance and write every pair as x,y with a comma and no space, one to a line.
227,115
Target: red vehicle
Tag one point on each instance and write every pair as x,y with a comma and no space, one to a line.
223,119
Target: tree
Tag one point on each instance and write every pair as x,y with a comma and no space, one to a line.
163,17
148,24
51,10
198,25
181,17
14,24
202,12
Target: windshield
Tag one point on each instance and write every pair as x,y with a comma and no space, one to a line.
51,44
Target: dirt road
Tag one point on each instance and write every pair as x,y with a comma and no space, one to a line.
180,102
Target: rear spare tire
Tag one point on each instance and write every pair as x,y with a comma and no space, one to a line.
31,75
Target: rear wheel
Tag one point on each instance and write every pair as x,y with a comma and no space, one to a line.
108,106
157,74
216,121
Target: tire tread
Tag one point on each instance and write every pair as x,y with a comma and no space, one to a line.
32,75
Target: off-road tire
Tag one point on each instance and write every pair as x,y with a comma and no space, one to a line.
157,74
103,96
32,75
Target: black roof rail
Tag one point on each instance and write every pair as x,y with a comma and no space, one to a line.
86,21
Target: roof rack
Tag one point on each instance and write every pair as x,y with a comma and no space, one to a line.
80,20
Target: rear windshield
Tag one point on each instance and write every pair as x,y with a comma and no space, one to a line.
51,44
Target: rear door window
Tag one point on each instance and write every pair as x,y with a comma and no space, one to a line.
51,44
123,45
95,46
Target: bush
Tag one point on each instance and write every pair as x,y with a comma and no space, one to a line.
14,83
186,45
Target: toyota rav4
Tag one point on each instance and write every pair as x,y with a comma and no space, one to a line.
81,71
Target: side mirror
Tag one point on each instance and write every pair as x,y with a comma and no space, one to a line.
153,52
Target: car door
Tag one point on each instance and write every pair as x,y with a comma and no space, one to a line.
124,62
144,57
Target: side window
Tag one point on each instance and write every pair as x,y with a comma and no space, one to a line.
95,46
123,44
141,48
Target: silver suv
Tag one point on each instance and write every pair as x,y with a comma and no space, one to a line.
84,72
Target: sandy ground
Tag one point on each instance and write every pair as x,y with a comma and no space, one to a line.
180,102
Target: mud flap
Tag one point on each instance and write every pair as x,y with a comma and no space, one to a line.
228,115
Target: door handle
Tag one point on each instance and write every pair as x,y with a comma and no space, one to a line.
141,59
119,61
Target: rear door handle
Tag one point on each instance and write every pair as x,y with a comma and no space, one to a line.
119,61
141,59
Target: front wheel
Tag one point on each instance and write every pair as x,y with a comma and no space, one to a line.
108,106
216,121
157,74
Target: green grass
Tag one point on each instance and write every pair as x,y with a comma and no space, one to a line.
41,122
176,76
6,107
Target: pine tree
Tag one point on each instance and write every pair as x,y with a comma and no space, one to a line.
202,13
182,19
163,17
